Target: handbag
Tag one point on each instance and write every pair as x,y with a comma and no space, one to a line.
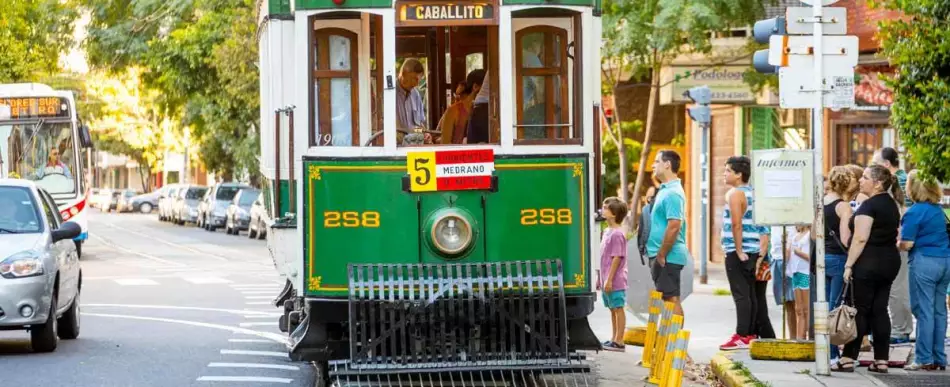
842,327
764,273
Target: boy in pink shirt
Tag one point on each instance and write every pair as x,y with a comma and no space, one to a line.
612,276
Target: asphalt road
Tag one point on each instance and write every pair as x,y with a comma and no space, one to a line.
165,305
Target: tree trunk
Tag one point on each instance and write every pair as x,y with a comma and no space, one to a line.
621,151
651,112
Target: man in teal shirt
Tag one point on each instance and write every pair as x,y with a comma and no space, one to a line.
666,245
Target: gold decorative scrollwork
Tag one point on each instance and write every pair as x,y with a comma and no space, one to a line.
314,282
578,170
579,279
314,172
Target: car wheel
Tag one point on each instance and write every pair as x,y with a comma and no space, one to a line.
251,232
43,337
69,323
78,249
261,231
145,208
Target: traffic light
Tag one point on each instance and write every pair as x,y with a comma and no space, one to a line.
609,116
702,97
762,31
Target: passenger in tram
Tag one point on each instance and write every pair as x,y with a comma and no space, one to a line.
455,120
477,132
410,110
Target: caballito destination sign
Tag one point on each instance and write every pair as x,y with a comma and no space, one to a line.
450,170
444,11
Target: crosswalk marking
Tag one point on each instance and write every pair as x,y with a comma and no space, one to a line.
206,280
255,379
253,353
255,365
135,281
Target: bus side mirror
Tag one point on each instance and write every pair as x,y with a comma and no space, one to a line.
85,139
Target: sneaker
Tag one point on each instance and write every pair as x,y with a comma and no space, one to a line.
612,346
735,342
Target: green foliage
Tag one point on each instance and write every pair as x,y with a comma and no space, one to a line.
88,104
199,55
33,35
919,49
611,156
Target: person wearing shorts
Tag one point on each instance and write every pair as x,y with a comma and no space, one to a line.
666,243
612,276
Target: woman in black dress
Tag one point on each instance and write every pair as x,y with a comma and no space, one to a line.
873,263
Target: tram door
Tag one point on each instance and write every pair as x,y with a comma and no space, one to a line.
451,41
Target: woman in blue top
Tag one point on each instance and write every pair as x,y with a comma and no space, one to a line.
924,236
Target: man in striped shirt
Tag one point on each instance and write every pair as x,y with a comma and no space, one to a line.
744,243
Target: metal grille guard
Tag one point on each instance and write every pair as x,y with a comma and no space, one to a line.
457,317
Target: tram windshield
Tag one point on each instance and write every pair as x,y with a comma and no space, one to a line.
40,151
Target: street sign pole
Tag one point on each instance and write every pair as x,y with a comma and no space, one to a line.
817,132
702,115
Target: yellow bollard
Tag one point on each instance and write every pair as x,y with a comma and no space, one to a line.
675,376
661,342
665,359
650,340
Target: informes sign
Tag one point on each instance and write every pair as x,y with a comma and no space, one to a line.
783,184
446,13
450,170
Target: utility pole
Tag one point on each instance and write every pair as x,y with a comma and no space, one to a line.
702,115
815,72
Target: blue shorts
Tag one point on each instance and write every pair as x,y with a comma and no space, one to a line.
614,299
801,281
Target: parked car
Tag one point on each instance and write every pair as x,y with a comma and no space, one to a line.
257,227
185,208
165,200
214,206
125,199
143,203
239,211
39,266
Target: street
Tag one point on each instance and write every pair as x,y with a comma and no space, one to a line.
166,305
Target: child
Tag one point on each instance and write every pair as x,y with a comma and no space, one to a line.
612,276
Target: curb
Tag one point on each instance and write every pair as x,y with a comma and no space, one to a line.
784,350
722,368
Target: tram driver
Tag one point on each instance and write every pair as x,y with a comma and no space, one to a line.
410,111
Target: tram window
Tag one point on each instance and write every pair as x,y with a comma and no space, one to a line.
543,110
335,92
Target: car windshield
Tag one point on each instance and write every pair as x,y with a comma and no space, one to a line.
18,211
248,197
195,193
227,193
42,152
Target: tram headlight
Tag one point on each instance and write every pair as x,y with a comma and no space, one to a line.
451,232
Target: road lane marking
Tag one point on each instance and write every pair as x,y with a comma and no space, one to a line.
254,365
143,255
258,302
249,341
264,316
206,280
135,282
255,379
253,353
257,292
267,335
183,247
249,286
258,297
258,324
232,311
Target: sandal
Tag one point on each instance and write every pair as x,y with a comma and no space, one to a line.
880,368
840,366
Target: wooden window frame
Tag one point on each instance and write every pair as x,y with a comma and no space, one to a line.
322,35
521,73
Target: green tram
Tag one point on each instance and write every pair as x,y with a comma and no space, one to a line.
406,253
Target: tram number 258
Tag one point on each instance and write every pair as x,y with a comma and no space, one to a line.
333,219
546,216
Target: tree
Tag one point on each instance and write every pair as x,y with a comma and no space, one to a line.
33,35
128,122
918,46
199,56
643,36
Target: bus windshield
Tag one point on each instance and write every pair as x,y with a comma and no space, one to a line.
39,151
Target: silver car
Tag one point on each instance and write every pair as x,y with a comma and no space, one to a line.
40,275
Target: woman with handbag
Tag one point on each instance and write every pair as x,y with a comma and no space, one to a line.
841,188
924,236
872,265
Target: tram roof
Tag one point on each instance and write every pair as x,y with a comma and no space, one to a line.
277,8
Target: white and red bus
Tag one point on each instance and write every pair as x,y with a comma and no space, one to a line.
43,140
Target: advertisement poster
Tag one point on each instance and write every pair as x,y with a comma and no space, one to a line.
783,182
